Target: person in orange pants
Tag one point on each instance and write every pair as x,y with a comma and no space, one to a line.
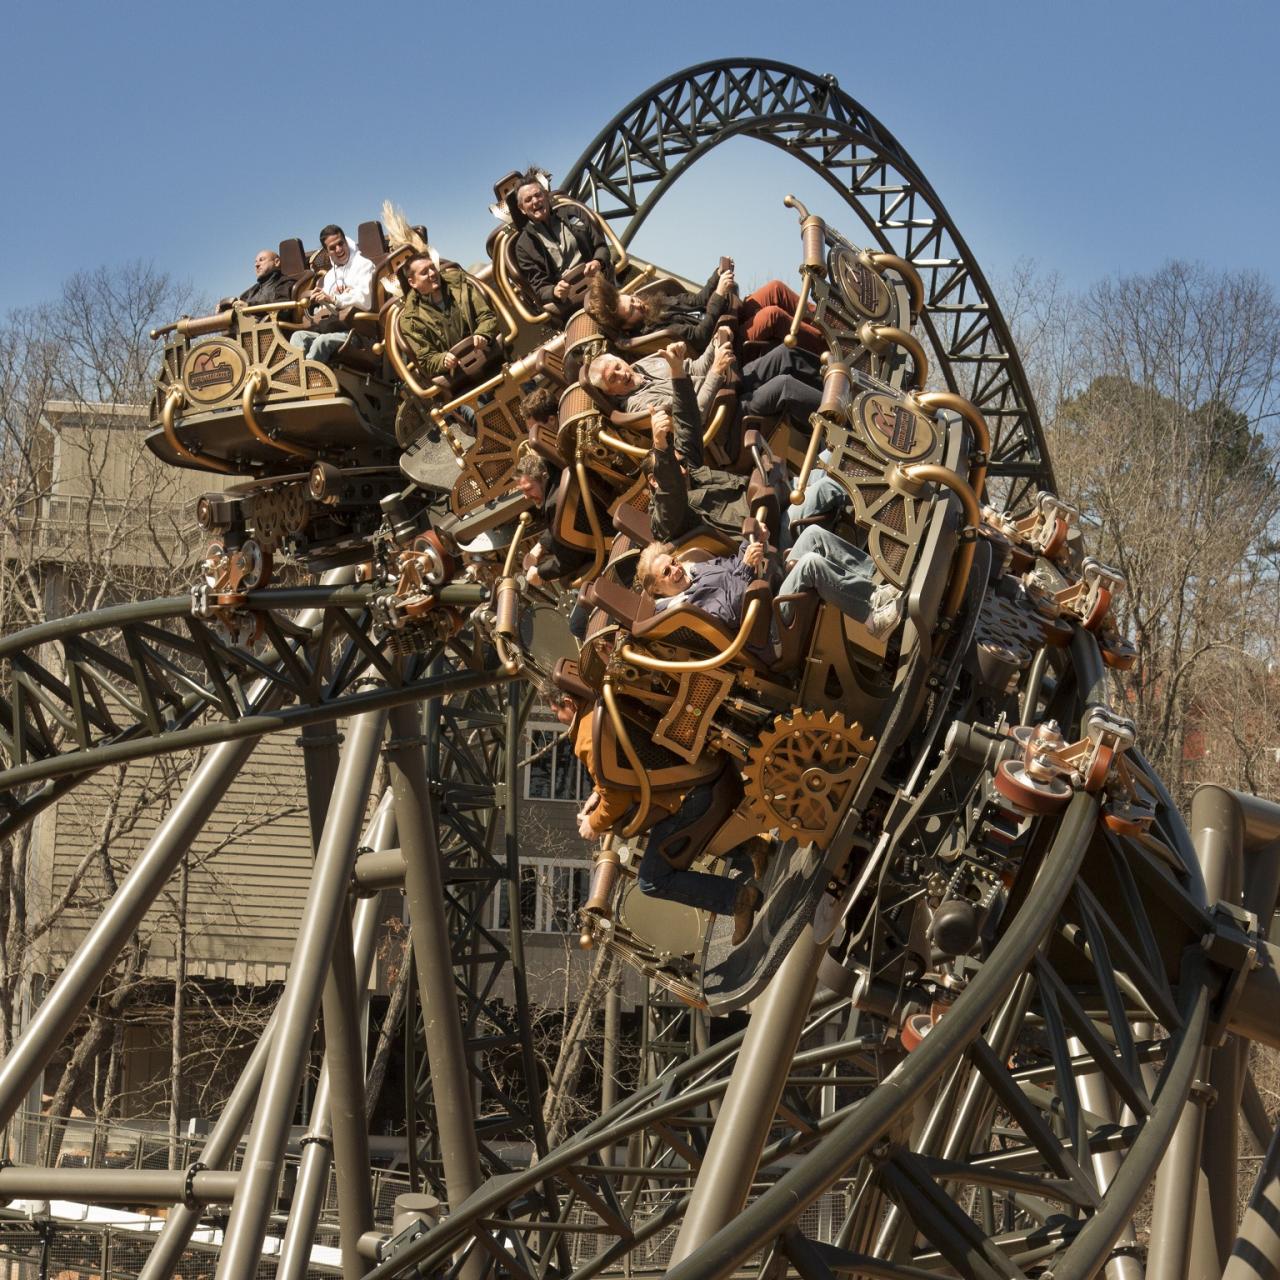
765,316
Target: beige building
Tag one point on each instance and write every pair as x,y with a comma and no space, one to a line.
107,522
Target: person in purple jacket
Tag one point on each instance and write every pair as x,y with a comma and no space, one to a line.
818,561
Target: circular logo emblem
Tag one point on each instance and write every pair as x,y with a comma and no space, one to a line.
213,371
893,430
863,289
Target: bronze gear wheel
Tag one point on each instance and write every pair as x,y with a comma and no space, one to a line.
801,775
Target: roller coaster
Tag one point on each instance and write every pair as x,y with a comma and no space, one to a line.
1000,992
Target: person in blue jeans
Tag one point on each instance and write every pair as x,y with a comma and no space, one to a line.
725,895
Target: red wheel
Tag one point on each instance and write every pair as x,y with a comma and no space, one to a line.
1097,774
914,1031
1101,607
1017,786
1057,539
1120,659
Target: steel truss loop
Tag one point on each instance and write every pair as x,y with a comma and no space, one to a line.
657,137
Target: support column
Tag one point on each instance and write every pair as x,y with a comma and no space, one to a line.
519,979
319,1152
326,903
751,1100
433,962
343,1113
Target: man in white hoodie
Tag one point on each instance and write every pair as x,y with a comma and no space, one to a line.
347,285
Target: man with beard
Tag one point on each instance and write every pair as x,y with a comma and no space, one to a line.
692,317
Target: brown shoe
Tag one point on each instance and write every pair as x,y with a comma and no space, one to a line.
758,849
745,907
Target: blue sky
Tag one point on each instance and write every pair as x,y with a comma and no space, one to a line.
1090,137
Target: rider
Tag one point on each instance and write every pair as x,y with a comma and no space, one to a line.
609,807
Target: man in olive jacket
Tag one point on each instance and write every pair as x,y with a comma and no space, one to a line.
441,309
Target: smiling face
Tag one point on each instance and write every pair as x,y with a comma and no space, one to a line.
670,577
424,276
532,200
614,376
336,247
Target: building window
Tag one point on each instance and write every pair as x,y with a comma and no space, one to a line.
553,771
550,895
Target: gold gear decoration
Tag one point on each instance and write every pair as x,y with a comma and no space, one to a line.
801,775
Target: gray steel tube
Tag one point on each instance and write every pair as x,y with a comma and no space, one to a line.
313,1169
120,918
242,1244
751,1101
382,869
1096,1096
182,1219
123,914
433,962
1218,827
117,1186
763,1219
344,1053
1257,1012
1256,1252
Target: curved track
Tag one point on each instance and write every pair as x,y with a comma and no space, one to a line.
995,1111
655,139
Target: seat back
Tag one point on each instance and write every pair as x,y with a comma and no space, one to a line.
371,240
293,258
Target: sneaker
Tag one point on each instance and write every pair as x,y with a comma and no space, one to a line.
745,907
886,611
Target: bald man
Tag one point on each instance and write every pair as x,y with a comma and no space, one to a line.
272,284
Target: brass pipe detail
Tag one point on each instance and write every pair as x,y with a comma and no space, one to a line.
198,326
802,305
500,306
933,474
932,401
501,272
392,337
792,203
593,520
506,627
628,750
877,337
609,440
609,233
907,271
736,645
258,381
718,418
171,404
509,564
817,426
264,308
604,878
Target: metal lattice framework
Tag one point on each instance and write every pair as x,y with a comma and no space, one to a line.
998,1115
654,140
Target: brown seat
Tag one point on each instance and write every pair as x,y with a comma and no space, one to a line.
635,524
568,679
371,240
667,774
627,608
293,258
